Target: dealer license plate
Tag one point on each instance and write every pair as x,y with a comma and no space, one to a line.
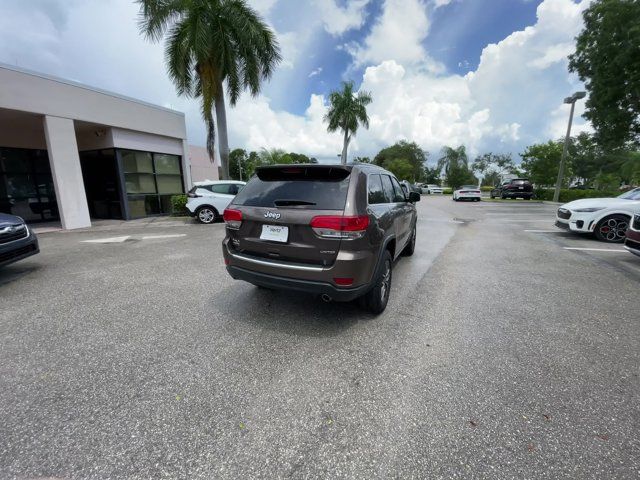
275,233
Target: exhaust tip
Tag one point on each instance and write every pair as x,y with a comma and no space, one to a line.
326,298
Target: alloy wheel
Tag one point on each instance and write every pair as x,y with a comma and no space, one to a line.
206,215
613,230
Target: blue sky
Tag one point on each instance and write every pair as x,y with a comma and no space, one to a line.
489,74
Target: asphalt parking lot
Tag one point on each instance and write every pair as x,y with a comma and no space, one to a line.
508,350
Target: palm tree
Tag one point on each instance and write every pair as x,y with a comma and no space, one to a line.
207,43
346,112
455,163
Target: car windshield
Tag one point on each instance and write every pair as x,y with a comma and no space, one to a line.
469,187
631,194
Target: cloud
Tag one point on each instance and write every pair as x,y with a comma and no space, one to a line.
397,35
315,72
337,20
512,99
440,3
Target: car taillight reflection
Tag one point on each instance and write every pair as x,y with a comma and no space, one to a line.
336,226
233,218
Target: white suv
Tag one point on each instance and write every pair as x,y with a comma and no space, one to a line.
207,200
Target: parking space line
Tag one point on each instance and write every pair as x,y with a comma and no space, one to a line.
545,231
595,249
152,237
108,240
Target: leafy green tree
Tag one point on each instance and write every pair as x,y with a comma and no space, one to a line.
491,167
299,158
362,160
209,42
409,151
238,160
431,175
274,156
455,165
585,158
347,111
401,168
607,59
541,162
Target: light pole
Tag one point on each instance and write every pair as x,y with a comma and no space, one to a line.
572,100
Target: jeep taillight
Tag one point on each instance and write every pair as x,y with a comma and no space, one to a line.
335,226
233,218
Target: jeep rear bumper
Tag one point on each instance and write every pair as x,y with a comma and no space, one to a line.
307,286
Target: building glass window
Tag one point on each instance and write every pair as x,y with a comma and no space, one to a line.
151,179
26,186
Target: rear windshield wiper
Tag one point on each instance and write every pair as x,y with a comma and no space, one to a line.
291,202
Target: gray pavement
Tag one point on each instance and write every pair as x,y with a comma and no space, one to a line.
501,355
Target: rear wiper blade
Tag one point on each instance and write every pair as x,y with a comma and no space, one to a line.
290,202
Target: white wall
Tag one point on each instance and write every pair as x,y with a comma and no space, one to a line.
41,94
146,142
18,136
88,140
201,166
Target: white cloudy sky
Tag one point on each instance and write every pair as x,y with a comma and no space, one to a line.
490,74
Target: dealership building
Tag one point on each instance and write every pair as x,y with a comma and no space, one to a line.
73,153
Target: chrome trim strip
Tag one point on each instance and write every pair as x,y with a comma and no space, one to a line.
26,230
268,263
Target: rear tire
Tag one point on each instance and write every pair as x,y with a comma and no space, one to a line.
376,299
207,215
612,229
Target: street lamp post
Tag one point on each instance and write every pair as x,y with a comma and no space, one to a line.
569,100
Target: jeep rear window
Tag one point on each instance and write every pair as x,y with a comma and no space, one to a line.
312,188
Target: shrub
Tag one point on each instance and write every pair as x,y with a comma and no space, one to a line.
486,188
447,191
179,205
567,195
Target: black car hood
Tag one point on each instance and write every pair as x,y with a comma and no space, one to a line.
6,219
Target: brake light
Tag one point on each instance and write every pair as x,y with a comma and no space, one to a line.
335,226
233,218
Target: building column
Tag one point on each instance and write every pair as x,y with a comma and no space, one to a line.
66,171
186,166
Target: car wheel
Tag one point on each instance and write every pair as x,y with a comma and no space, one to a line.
206,214
377,298
527,198
492,196
504,197
411,246
612,229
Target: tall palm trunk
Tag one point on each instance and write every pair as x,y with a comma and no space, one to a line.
345,145
223,139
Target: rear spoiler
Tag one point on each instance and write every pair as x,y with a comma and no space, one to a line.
303,172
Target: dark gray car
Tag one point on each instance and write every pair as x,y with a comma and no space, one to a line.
331,230
17,240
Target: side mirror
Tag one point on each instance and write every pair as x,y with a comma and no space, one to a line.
414,197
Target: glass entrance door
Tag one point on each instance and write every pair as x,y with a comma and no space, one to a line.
101,183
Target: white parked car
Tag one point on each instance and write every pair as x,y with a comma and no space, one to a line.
432,189
207,200
607,218
467,192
